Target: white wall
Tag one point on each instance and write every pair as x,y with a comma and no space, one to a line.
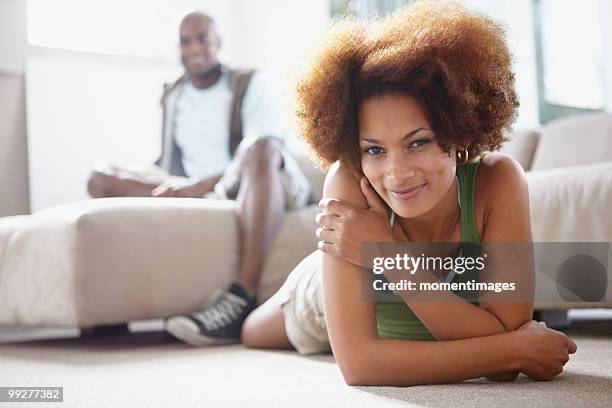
91,112
282,34
15,48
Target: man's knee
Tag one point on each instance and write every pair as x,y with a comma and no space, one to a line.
263,154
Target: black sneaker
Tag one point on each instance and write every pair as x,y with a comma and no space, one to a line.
218,322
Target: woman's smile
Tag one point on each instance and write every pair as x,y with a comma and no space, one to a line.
408,193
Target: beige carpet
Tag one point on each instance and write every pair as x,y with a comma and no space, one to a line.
147,369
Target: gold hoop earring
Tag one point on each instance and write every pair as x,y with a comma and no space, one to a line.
463,157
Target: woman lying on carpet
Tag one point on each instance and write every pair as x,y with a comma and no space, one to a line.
403,110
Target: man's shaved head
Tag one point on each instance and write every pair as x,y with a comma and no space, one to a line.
197,16
199,45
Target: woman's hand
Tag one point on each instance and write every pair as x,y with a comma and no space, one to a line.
344,227
543,351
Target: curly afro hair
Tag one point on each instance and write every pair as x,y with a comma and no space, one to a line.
454,61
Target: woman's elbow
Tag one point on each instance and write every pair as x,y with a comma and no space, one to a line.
355,366
355,374
363,369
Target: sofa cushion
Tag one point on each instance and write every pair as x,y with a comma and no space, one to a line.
114,260
571,204
522,146
575,140
313,173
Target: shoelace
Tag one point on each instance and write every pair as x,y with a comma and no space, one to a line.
223,310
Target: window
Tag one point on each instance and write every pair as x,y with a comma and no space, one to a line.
364,8
570,57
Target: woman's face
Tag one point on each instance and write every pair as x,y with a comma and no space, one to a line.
401,157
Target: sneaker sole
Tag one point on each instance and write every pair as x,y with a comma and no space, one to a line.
188,332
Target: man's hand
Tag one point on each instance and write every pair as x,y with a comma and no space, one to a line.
344,227
191,190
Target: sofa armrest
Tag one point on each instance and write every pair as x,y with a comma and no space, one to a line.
571,203
113,260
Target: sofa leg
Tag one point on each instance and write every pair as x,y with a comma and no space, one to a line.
103,331
555,319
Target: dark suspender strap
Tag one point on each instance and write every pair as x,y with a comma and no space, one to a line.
170,158
238,83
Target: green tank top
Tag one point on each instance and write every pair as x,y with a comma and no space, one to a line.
394,319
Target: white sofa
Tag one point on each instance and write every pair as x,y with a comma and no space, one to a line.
110,261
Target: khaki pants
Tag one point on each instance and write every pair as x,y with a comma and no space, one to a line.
302,306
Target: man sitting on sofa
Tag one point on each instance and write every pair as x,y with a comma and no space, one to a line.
222,138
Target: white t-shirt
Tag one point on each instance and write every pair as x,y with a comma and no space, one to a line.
202,123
